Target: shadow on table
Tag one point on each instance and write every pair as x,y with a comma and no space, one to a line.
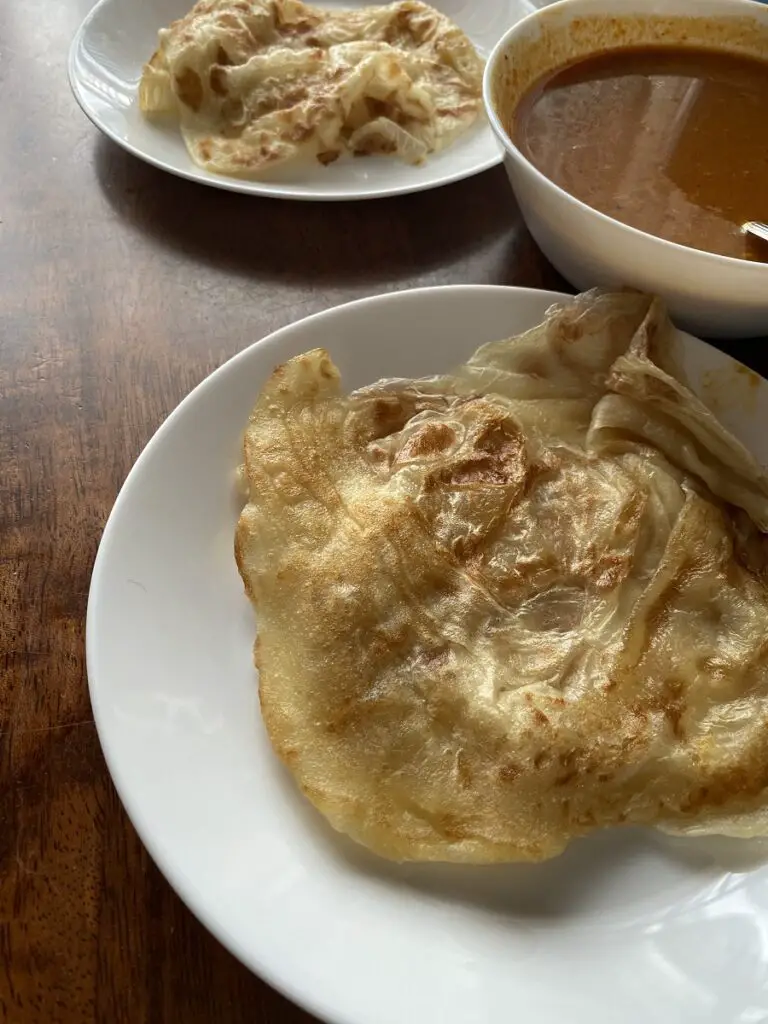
338,243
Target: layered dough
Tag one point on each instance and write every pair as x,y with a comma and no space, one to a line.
257,84
501,608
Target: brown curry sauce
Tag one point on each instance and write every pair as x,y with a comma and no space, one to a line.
670,140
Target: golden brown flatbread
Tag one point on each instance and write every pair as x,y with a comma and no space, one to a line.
261,83
501,608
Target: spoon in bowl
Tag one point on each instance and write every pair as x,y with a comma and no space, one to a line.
756,228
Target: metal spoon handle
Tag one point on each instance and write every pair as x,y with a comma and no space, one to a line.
756,228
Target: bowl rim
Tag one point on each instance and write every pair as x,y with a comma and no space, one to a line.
715,260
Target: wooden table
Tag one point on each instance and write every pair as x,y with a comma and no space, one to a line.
120,288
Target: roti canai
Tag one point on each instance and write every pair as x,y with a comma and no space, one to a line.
257,84
500,608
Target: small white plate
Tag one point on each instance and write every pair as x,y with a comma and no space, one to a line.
628,925
118,36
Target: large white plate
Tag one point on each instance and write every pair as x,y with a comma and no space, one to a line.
118,36
627,925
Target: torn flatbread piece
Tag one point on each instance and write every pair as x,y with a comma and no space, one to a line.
501,608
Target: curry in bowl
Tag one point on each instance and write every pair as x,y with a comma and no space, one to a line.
668,138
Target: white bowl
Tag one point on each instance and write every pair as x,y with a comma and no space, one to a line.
717,296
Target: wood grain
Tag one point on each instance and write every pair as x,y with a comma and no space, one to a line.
120,289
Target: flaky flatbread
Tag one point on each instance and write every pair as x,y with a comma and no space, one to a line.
261,83
504,607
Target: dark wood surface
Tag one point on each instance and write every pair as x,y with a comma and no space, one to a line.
120,289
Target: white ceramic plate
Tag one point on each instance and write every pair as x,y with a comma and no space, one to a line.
628,925
118,36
